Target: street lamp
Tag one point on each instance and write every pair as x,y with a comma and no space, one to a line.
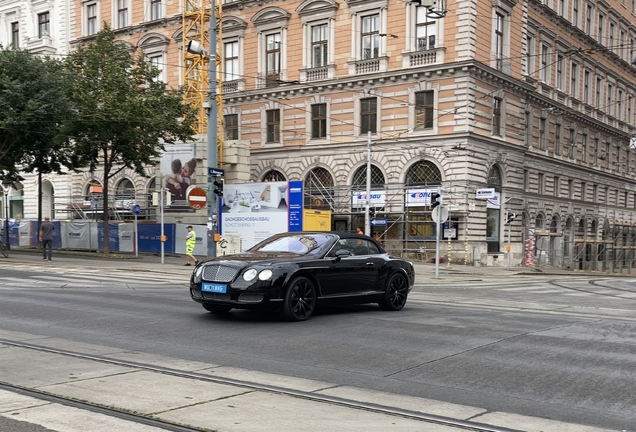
195,47
6,187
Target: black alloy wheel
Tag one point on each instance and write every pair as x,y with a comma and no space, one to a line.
300,300
217,309
397,288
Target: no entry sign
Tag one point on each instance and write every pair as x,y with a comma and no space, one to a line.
197,198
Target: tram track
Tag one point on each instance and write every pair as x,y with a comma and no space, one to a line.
129,415
595,282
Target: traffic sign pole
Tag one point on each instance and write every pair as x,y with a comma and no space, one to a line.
135,212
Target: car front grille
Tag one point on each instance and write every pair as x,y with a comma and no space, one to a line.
219,273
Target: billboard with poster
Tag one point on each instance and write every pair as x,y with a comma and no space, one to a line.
256,211
178,172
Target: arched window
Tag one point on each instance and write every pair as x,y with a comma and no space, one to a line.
494,178
360,177
125,189
273,176
554,224
319,189
125,194
423,173
93,191
539,222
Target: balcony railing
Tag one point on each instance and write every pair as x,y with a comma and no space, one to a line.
270,79
317,74
421,58
367,66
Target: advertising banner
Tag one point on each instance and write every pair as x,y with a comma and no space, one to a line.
24,233
295,199
256,211
485,193
177,166
377,199
113,236
150,238
418,197
14,227
494,201
201,247
126,237
79,235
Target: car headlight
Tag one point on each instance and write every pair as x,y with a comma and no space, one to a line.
198,271
265,274
249,275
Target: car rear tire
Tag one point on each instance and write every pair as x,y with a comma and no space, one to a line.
217,309
397,289
300,300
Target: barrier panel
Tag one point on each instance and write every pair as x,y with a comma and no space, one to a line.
150,238
126,237
79,235
113,236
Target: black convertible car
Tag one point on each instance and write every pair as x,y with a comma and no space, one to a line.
295,272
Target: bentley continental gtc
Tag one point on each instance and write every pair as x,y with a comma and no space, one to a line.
296,272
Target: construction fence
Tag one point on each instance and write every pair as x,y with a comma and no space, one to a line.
89,236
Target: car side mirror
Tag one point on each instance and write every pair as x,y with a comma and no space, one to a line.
342,253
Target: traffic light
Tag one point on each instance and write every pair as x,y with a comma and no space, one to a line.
436,199
510,216
371,212
218,186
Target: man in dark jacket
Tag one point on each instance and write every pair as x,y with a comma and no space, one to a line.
46,238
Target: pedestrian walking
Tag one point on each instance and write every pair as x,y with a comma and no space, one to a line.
191,241
46,238
360,230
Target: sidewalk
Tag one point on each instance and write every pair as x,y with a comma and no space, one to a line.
174,264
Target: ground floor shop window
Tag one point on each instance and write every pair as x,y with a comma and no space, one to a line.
421,227
492,229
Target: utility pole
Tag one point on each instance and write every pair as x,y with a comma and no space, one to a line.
212,135
367,220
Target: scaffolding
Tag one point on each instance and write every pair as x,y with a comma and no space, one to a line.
409,230
196,28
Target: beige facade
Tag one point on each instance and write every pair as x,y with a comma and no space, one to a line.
534,99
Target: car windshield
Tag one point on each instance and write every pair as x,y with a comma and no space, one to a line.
302,244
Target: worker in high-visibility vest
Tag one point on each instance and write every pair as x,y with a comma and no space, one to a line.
191,242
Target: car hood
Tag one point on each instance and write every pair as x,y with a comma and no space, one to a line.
262,258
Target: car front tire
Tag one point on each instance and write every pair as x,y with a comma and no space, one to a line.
300,299
217,309
397,289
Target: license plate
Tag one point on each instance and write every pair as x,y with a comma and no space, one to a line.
213,287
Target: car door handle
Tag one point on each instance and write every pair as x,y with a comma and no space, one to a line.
370,264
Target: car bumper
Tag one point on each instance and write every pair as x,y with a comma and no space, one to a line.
238,298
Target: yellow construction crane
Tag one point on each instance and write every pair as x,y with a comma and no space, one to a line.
196,27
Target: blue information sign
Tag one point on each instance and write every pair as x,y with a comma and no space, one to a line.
136,209
295,193
218,172
378,222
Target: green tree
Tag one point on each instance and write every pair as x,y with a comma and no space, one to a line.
33,107
124,115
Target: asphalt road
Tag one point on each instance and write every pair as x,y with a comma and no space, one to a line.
553,347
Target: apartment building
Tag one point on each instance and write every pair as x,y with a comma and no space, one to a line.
42,27
527,103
